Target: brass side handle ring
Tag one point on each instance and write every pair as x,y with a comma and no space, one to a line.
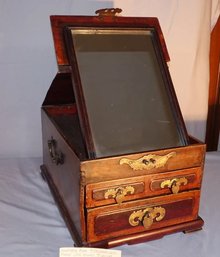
56,157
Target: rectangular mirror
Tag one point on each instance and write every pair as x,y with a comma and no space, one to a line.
124,93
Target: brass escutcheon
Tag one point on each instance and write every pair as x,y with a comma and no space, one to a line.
147,162
119,193
174,184
147,216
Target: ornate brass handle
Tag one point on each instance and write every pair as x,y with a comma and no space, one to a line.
174,184
147,162
119,193
57,158
147,216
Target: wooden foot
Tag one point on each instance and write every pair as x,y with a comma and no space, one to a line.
191,230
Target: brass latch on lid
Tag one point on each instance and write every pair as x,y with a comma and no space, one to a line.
108,12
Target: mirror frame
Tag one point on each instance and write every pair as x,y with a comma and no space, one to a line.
118,23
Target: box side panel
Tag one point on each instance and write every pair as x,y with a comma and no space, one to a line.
64,177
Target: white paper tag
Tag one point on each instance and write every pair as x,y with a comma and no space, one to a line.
88,252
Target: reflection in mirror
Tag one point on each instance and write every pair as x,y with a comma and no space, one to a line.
124,87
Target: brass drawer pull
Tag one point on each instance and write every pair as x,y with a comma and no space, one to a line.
57,158
174,184
147,162
147,216
119,193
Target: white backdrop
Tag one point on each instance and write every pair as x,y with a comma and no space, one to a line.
28,64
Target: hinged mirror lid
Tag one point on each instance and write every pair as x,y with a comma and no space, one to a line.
59,22
124,94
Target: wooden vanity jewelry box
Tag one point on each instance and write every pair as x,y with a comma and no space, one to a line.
116,153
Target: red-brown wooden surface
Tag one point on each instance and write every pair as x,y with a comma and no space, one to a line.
213,120
112,221
59,22
144,186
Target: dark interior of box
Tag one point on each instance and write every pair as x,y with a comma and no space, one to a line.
66,120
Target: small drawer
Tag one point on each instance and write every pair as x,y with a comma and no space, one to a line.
142,215
175,182
123,190
116,191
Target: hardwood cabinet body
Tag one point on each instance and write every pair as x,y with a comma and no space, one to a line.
112,199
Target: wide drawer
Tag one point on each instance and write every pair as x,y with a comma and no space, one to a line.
142,215
122,190
143,163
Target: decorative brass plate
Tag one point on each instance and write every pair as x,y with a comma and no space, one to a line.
147,216
147,162
119,193
174,184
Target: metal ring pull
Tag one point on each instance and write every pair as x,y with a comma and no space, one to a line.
57,158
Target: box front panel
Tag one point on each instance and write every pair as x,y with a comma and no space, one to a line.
143,163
